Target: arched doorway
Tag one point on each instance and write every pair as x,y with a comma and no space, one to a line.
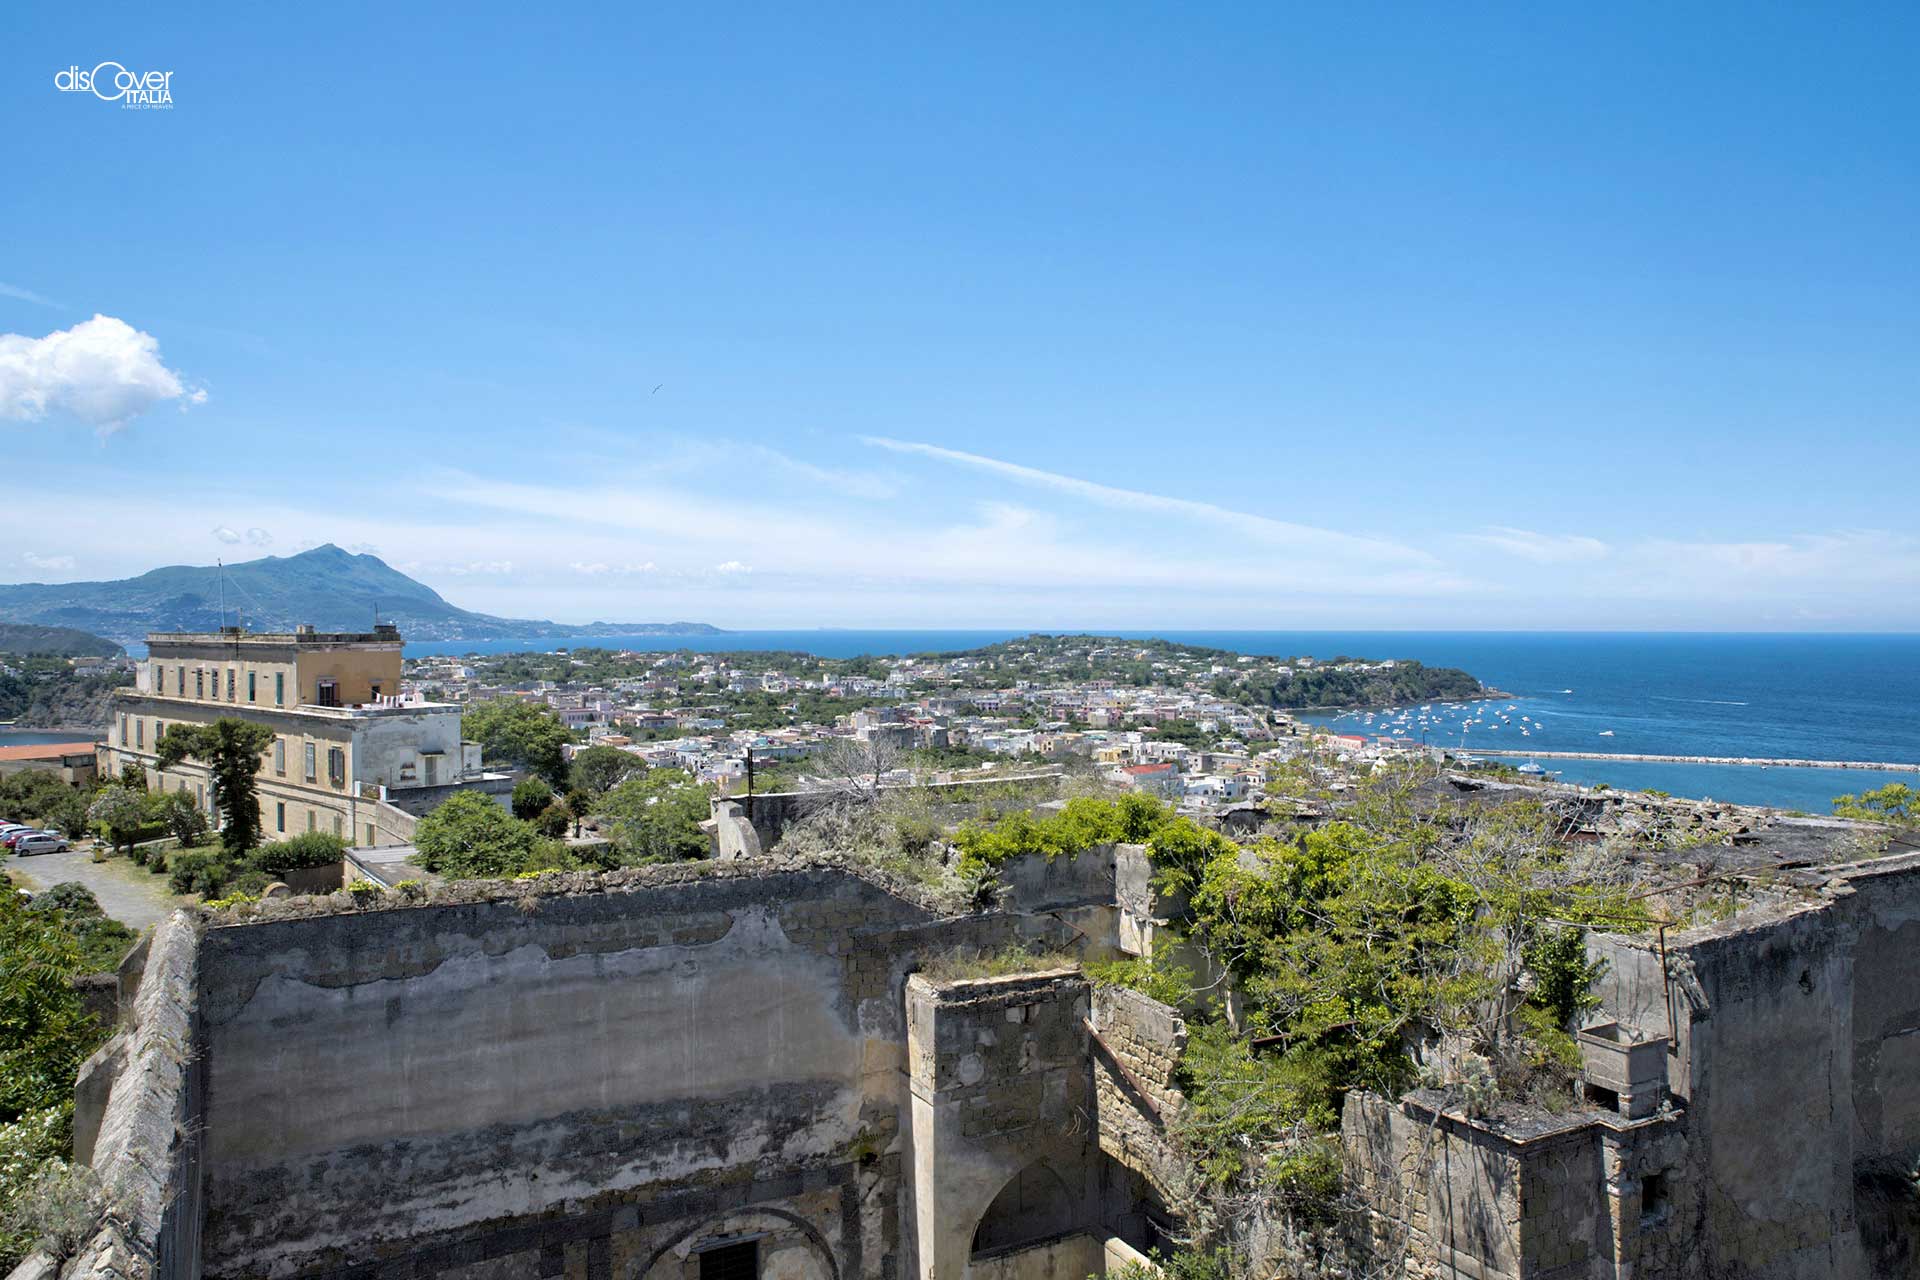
1035,1205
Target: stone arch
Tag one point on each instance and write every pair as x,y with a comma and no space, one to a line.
791,1248
1035,1204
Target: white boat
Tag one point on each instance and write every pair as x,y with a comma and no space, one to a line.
1606,733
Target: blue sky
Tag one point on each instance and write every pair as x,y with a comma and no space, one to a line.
1002,315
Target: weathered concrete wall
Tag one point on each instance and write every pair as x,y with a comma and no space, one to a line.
1075,1257
1039,883
400,1075
595,1077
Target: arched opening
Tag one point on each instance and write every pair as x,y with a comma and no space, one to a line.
1035,1205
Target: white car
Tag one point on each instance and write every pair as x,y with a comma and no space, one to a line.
40,842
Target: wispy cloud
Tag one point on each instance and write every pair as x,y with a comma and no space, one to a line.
102,372
1265,529
226,535
25,295
48,563
1541,548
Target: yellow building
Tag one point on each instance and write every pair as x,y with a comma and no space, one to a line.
351,756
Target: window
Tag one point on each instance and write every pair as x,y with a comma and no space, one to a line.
199,683
310,753
731,1262
159,731
229,684
280,756
310,819
279,688
1653,1199
250,686
336,766
433,770
123,730
371,841
139,732
327,693
279,817
336,824
180,681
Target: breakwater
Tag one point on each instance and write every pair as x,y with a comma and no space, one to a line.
1764,762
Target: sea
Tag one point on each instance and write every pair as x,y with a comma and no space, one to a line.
1808,697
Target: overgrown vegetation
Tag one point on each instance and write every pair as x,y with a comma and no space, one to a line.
1404,944
45,1034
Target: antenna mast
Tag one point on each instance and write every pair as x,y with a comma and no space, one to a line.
220,576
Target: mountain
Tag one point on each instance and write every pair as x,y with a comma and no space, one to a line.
332,589
60,642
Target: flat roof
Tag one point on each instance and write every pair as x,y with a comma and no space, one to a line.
47,750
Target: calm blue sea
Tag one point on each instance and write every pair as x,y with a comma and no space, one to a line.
1820,697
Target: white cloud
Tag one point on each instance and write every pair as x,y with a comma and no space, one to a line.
732,566
102,372
225,534
1283,533
491,568
591,570
1541,548
258,537
50,563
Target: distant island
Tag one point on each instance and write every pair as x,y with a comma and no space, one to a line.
326,587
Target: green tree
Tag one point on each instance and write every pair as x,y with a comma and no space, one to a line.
521,733
471,837
656,817
1896,802
176,811
232,750
118,815
531,796
601,769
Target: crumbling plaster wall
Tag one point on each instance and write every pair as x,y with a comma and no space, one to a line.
568,1079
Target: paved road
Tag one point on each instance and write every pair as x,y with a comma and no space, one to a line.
127,893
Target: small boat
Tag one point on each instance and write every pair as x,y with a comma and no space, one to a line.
1606,733
1532,768
1566,691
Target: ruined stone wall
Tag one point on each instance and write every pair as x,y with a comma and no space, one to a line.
1796,1060
1137,1043
584,1084
145,1088
1000,1091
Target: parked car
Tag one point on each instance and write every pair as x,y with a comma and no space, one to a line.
10,838
39,842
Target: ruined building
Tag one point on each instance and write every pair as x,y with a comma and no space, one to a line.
753,1069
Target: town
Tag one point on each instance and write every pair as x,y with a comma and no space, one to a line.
1194,726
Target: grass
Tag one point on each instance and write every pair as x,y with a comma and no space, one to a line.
961,966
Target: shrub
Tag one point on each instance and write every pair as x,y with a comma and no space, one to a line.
298,853
201,871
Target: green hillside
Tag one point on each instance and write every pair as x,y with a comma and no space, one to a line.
60,642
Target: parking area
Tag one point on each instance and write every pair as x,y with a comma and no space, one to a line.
127,893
